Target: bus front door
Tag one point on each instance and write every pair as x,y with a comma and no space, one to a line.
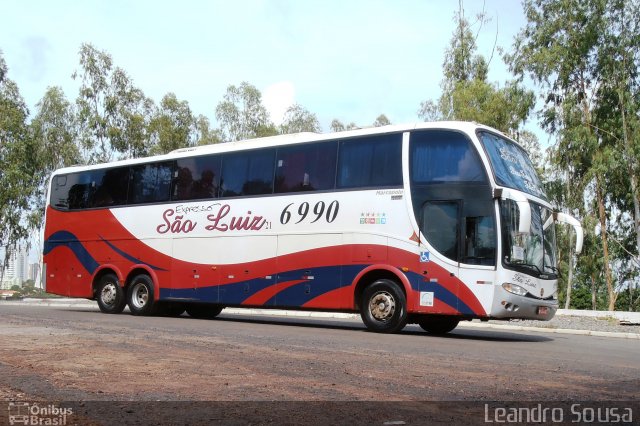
440,225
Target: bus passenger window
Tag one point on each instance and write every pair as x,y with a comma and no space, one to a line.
374,161
439,156
150,183
196,178
110,187
247,173
79,191
309,167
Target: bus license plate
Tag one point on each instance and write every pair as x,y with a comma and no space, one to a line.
543,310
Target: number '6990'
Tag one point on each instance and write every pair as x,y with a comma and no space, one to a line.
319,211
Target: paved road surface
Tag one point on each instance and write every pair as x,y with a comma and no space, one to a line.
79,354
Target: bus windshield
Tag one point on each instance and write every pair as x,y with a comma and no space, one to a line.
536,250
511,165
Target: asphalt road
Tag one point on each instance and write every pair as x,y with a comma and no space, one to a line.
80,354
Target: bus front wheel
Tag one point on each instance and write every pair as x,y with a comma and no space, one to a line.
438,324
140,296
383,307
110,296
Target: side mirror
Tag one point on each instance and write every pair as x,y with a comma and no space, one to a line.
570,220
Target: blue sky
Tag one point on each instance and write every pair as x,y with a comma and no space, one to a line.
345,59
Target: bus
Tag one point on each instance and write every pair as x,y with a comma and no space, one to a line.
428,224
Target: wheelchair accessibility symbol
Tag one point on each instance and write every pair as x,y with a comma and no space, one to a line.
424,256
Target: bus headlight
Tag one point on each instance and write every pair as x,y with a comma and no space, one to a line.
515,289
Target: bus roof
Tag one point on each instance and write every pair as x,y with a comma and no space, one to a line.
281,140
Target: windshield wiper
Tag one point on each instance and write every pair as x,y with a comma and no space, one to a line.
553,269
529,265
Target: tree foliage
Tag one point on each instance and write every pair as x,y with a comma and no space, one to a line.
113,114
54,132
299,119
466,93
584,57
171,126
204,134
381,120
242,115
17,163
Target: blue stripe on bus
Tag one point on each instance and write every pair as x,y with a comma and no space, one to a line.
296,295
67,239
439,292
131,258
325,279
236,293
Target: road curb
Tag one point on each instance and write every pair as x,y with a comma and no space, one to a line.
83,303
615,334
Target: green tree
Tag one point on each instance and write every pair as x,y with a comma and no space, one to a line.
204,134
466,93
242,115
584,57
16,163
381,120
298,119
54,134
172,125
616,112
112,113
129,125
339,126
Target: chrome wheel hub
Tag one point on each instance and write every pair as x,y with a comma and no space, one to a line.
382,306
140,295
108,294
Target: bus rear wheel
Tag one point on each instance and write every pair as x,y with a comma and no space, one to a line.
140,297
383,307
110,296
438,324
203,311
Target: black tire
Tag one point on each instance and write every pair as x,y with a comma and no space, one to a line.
170,309
203,311
383,307
438,324
140,296
110,296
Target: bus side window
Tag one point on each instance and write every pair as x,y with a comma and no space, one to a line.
196,178
440,156
110,187
75,194
248,173
309,167
150,183
374,161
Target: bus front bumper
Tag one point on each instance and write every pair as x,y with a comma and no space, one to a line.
508,305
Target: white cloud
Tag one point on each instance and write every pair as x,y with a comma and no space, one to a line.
277,98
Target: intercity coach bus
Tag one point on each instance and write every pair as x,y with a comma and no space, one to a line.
430,223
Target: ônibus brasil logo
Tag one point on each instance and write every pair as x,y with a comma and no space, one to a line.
31,414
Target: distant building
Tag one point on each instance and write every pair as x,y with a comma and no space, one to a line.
34,272
17,269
